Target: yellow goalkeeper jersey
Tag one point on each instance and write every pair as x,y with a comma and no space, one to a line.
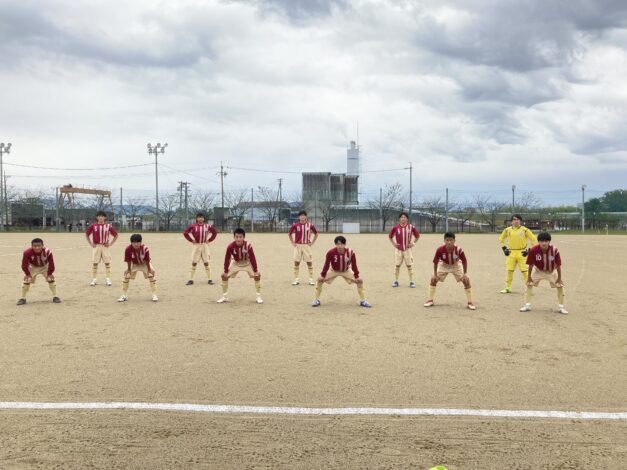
517,237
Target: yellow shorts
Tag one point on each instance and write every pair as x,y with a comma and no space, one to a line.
200,252
348,276
100,252
538,276
404,256
138,268
37,271
516,259
236,268
302,252
455,269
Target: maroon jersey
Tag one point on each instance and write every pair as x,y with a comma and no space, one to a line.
403,235
544,261
340,262
457,254
140,256
30,258
200,233
240,254
100,233
303,232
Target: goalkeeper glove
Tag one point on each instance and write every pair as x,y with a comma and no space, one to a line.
525,252
506,251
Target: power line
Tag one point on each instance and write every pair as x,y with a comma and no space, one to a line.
78,169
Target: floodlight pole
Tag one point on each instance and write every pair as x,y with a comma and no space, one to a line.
156,150
583,208
513,198
4,148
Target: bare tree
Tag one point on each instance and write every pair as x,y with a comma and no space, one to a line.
133,206
435,210
169,205
238,203
202,201
389,202
488,209
527,202
269,204
328,211
466,211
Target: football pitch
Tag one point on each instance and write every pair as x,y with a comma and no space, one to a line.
306,365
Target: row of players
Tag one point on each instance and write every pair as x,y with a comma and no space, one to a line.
340,261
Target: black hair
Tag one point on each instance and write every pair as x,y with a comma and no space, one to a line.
239,230
200,214
544,237
302,213
101,213
136,238
37,240
340,239
403,214
449,235
516,216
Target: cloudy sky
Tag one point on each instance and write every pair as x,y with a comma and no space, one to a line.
477,94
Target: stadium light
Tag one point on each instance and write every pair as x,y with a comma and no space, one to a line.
583,208
156,150
4,148
513,198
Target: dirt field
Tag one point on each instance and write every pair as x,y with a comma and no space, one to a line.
188,349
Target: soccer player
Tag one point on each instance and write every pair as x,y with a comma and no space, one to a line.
403,237
137,259
548,267
100,241
516,250
240,257
450,259
38,261
200,234
302,245
340,259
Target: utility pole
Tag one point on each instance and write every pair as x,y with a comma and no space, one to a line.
6,200
56,197
156,150
184,197
121,209
446,211
513,198
583,208
4,148
411,189
252,210
381,207
222,174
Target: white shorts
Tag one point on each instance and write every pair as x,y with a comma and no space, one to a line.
200,252
139,268
37,271
455,269
404,256
236,268
302,252
100,252
348,276
538,276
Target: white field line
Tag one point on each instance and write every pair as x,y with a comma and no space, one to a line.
280,410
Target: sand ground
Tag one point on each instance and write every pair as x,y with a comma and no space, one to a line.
188,349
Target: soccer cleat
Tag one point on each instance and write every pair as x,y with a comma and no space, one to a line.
412,284
189,283
395,284
296,282
259,299
364,303
315,303
123,298
210,282
526,308
471,306
56,300
21,301
428,303
108,282
562,310
311,282
93,282
507,290
222,300
155,298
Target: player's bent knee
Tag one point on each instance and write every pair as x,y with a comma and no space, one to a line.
224,277
257,278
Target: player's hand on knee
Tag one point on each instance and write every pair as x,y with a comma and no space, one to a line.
434,280
28,279
321,279
359,280
465,279
529,281
225,277
50,278
559,283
